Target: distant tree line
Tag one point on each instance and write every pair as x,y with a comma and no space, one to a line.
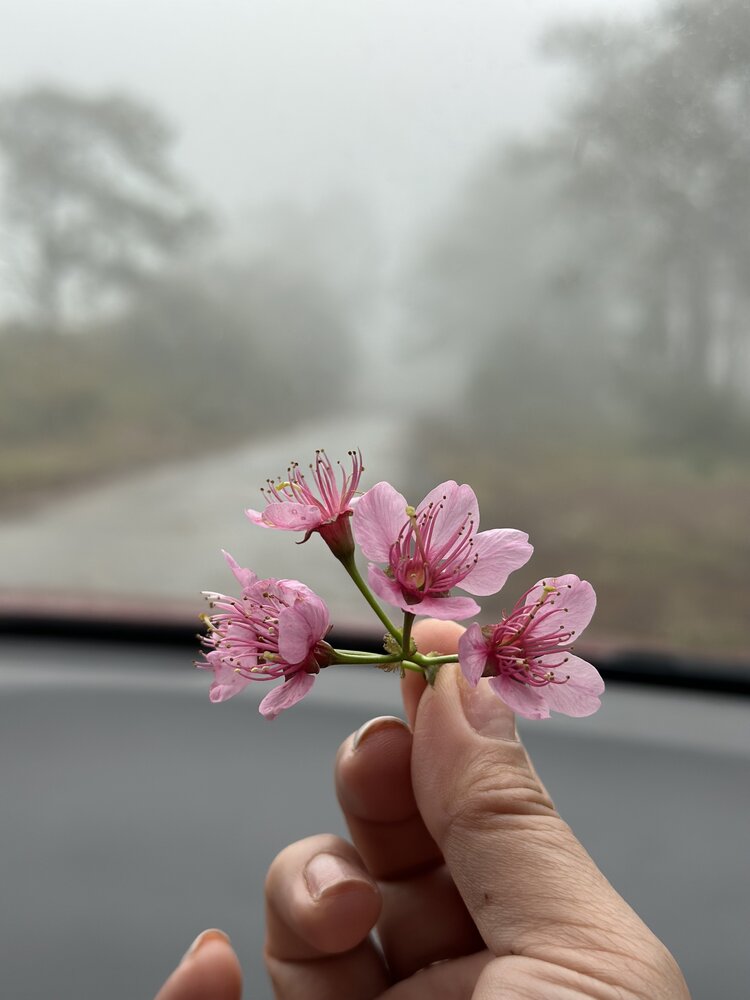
134,336
601,270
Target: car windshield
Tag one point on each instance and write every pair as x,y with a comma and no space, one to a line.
497,243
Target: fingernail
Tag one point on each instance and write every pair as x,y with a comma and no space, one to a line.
327,874
487,714
377,725
212,934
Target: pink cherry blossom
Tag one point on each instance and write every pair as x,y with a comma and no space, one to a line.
527,655
294,504
275,630
434,547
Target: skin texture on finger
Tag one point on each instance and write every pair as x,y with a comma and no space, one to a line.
529,884
211,972
373,784
431,636
423,919
436,636
454,980
321,905
516,976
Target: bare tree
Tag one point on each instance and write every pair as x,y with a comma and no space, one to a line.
611,255
662,135
91,200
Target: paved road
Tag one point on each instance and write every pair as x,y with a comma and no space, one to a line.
159,533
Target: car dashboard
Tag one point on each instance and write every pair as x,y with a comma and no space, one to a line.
136,813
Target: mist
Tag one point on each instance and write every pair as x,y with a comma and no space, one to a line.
519,238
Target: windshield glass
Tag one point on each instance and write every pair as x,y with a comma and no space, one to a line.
499,243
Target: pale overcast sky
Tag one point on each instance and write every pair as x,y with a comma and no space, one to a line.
295,100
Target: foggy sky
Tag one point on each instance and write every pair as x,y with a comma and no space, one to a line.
289,100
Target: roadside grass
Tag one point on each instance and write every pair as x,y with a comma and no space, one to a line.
664,540
666,544
79,408
78,412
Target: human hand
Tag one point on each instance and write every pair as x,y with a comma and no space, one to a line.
459,859
209,970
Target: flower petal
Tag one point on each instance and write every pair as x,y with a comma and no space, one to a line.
453,504
576,598
473,650
245,577
227,682
499,552
301,627
384,587
286,695
293,516
378,518
256,517
578,696
445,608
291,590
522,698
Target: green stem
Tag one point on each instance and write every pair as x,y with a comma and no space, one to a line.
351,568
351,656
434,661
406,634
408,665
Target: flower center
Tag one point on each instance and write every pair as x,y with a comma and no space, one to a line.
526,638
415,574
422,565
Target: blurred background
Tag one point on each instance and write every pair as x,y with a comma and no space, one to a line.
505,243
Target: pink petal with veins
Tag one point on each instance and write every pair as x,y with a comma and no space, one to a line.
455,502
245,577
300,628
285,695
293,516
227,682
473,650
524,700
578,696
378,517
445,608
576,598
500,552
256,517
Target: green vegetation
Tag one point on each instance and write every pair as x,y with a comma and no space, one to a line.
134,341
666,545
200,363
589,295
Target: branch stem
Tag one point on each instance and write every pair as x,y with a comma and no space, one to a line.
351,568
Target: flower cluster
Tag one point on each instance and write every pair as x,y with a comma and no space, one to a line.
276,629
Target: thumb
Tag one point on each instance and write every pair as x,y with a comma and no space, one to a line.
528,883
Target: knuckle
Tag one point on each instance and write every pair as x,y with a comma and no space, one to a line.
486,793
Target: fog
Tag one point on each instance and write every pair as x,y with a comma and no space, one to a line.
518,232
283,100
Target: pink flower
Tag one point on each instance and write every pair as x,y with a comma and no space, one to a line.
434,547
294,505
527,655
275,630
